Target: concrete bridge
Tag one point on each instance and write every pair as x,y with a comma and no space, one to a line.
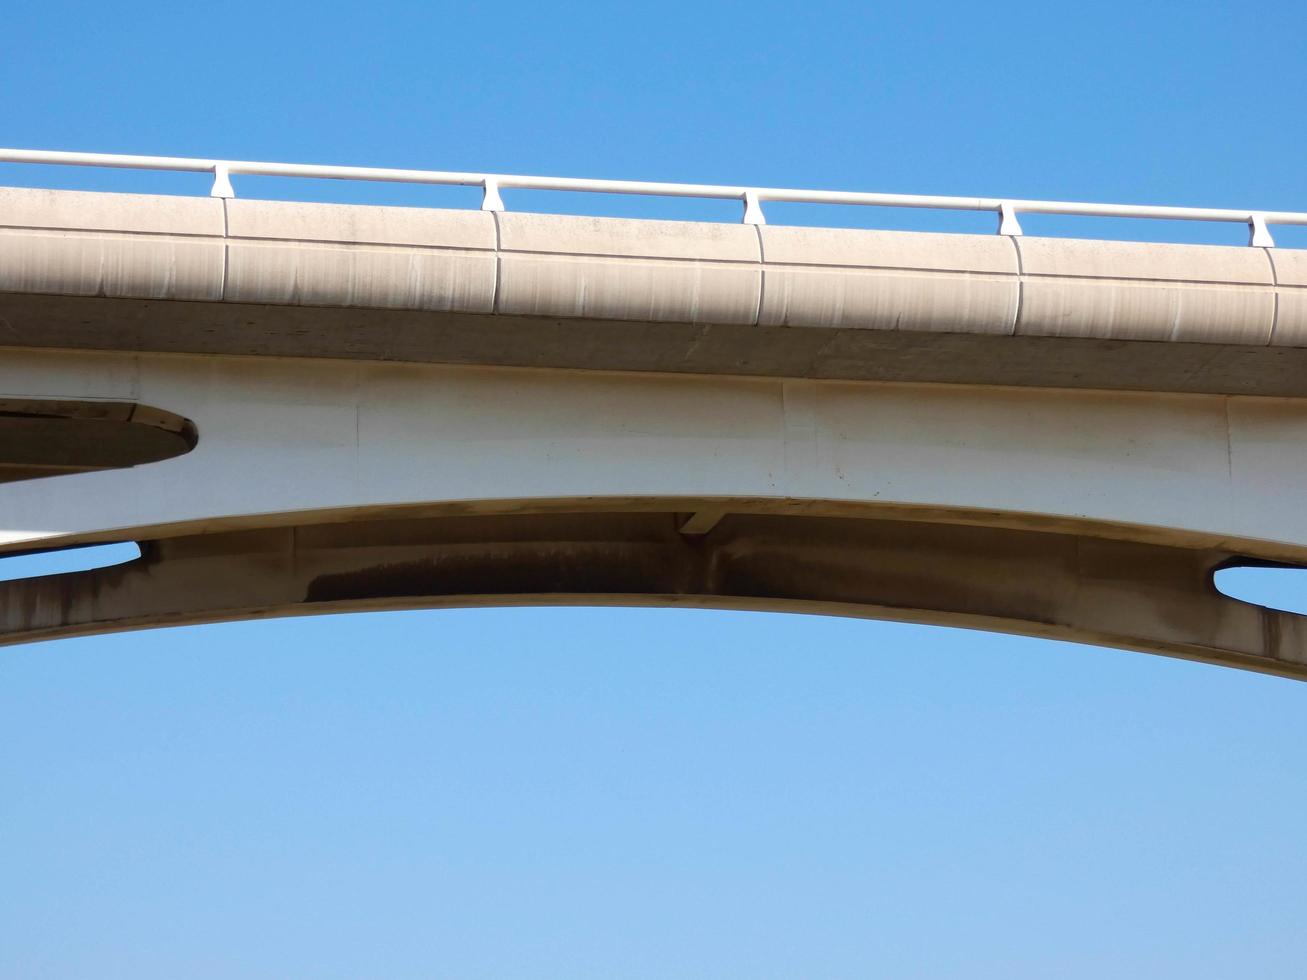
313,408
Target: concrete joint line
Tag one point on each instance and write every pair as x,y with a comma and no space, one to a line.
1275,308
1021,285
226,250
499,264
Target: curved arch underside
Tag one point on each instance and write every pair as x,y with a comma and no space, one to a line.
322,486
1142,596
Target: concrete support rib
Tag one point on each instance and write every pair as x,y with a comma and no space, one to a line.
1124,594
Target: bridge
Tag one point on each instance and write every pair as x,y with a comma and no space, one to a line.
304,408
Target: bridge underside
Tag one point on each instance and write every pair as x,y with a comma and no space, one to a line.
284,486
1134,595
594,344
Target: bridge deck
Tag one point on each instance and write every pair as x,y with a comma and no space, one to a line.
171,274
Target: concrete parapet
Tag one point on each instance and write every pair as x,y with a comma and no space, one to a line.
623,269
677,279
130,246
356,256
1291,293
1138,291
144,214
879,280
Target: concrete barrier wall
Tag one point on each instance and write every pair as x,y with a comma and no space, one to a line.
118,245
1290,267
349,256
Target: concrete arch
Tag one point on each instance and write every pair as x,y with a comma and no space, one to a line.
1131,595
320,486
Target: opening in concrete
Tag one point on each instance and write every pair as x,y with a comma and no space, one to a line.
60,561
41,438
1279,587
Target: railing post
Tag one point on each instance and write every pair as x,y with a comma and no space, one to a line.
221,182
1259,236
1007,220
490,199
753,209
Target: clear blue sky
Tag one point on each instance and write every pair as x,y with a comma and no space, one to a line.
608,793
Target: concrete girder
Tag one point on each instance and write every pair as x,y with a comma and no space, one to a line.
304,441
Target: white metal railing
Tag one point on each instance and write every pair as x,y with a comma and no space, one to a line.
1007,209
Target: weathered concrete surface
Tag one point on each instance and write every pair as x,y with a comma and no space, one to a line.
113,245
884,280
1290,267
618,269
1143,597
362,257
128,272
738,434
1138,291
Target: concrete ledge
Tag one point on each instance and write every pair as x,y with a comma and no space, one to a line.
309,274
356,256
96,323
1134,291
888,280
628,270
73,263
128,245
145,214
1291,292
357,224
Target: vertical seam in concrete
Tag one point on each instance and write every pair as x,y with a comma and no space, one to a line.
799,446
226,248
494,286
1275,294
1021,285
1229,451
358,425
762,276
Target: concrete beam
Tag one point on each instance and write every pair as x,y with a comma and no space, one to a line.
329,440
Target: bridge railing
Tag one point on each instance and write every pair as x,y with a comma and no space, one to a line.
1007,209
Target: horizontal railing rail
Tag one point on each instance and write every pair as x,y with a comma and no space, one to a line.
1007,209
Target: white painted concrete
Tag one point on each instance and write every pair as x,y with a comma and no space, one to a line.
278,437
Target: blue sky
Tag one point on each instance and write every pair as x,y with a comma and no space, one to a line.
588,793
